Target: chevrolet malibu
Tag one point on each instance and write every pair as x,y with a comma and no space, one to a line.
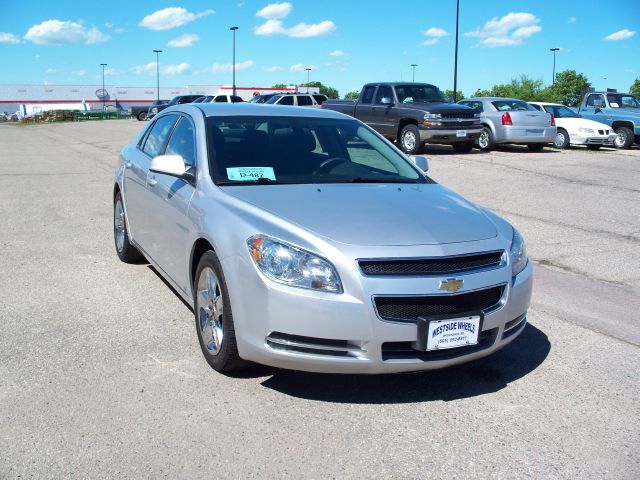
305,240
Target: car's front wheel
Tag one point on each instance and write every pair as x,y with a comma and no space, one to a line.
213,316
142,116
410,140
126,252
624,137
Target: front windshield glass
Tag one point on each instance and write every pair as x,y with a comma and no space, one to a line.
620,100
560,111
273,99
286,150
419,93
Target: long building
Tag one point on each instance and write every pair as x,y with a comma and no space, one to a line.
14,95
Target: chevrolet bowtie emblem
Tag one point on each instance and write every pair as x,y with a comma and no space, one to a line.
451,284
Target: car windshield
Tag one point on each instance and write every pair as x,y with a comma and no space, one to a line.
560,111
419,93
286,150
273,99
512,105
619,100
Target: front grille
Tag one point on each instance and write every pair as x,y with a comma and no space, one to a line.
458,115
403,350
431,266
408,309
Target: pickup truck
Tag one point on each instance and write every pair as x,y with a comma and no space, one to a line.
140,111
619,110
412,114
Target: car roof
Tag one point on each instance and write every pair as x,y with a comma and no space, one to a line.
255,109
491,99
548,103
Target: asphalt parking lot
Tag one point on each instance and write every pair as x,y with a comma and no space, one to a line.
101,375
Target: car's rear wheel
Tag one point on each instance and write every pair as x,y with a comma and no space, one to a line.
213,316
126,252
536,147
624,137
562,138
485,141
463,147
410,140
142,116
594,147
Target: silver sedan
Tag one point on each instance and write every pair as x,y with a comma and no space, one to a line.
305,240
509,120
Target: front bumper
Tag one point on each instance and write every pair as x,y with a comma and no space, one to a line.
303,330
449,135
592,139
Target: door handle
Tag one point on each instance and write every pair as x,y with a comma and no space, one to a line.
151,181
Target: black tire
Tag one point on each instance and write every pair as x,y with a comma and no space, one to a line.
142,116
624,138
535,147
221,353
410,140
486,141
562,139
594,147
126,252
463,147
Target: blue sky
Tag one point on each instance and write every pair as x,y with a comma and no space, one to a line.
346,43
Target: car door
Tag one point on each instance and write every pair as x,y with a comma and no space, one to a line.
168,206
382,117
135,178
364,106
590,105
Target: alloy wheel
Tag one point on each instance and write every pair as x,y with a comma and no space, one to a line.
210,308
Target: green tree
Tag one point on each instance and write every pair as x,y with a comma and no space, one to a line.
280,85
635,87
569,87
482,93
324,89
523,87
449,94
352,95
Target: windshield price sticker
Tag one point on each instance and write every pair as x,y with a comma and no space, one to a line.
250,174
451,333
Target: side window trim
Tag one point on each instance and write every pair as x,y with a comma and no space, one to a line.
164,144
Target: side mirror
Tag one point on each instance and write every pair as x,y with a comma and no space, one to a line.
386,101
421,162
171,165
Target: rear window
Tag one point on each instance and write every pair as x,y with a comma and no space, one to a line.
320,98
511,105
304,100
236,99
286,101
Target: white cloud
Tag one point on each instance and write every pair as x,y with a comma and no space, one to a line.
275,11
337,53
119,30
431,41
51,70
171,17
270,27
274,69
620,35
56,32
148,68
79,73
108,25
512,29
8,38
111,72
185,40
302,30
434,34
573,19
300,67
228,67
175,69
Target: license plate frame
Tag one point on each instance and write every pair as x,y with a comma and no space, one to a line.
427,324
461,133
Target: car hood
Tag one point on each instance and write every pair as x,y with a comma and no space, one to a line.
373,214
575,123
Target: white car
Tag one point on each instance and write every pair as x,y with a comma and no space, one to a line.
575,130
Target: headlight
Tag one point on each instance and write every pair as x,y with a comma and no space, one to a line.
586,130
476,115
517,254
286,264
154,110
432,116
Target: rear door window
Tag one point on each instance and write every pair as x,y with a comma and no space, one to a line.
220,99
158,135
320,99
304,100
286,101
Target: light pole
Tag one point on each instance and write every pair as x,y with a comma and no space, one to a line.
455,62
104,96
158,52
413,78
554,50
308,70
233,29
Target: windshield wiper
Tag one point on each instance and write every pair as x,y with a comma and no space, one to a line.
261,180
381,180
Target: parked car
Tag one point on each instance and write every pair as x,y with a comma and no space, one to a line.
297,99
412,114
203,99
224,98
179,100
572,129
509,120
141,111
261,98
304,240
621,111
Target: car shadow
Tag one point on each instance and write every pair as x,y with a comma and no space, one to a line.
487,375
447,150
524,149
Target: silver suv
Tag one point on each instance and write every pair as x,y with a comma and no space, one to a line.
298,99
